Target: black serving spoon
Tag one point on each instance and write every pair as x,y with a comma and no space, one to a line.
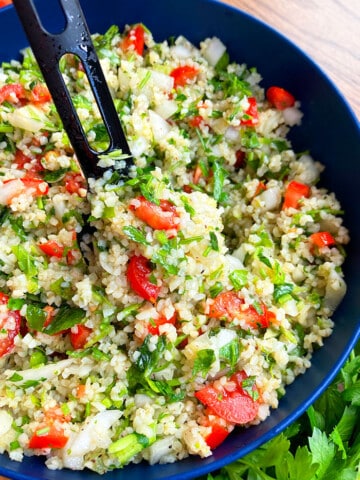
48,50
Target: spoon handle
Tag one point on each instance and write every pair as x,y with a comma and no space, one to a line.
48,49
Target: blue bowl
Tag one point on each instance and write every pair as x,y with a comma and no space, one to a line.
331,132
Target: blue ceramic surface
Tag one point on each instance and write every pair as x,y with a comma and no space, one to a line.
329,130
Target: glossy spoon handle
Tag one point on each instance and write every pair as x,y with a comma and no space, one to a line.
48,50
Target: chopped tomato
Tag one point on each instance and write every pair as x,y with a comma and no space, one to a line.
138,273
322,239
230,402
260,188
52,249
79,336
153,327
195,121
280,98
217,436
294,193
160,217
38,186
48,437
12,92
220,429
10,321
3,3
197,174
134,40
228,305
21,160
183,74
251,117
80,390
40,94
74,183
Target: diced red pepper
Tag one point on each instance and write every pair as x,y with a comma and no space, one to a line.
280,98
134,40
294,193
10,321
160,217
79,336
196,121
138,273
251,114
234,405
183,74
322,239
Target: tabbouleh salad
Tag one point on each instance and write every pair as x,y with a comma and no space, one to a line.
209,279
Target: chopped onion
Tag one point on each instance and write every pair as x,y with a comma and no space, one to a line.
181,51
334,291
232,134
271,198
46,372
159,126
6,421
10,190
160,449
215,49
95,434
29,117
166,109
292,116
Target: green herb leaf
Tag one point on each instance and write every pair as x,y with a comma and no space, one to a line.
135,235
203,361
66,318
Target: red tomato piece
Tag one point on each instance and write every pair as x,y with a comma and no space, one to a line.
217,436
154,325
195,121
134,40
294,193
39,186
251,115
322,239
74,182
21,160
260,188
40,94
280,98
234,406
3,3
79,336
183,74
160,217
138,273
48,437
10,321
12,92
52,249
228,305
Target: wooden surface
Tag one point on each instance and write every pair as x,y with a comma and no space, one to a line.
327,30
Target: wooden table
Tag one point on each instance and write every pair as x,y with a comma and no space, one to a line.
327,30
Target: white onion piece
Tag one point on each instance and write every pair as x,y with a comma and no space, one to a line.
47,371
95,434
6,421
159,126
334,291
160,449
292,116
234,263
271,198
232,134
29,117
181,51
214,50
166,109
